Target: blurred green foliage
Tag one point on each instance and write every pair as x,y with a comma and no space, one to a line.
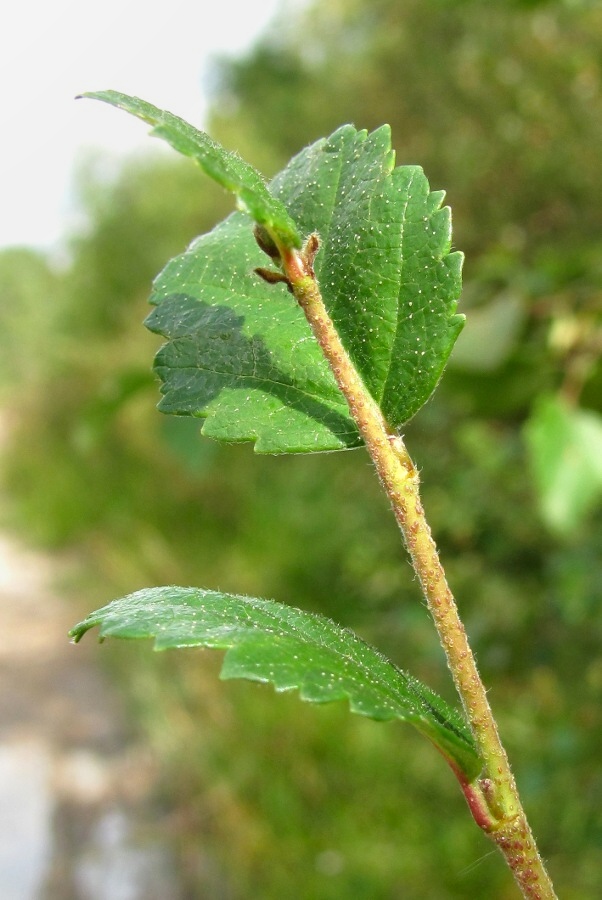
502,104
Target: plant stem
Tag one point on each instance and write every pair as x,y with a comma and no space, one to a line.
493,798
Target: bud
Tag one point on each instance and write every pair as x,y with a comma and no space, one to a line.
265,242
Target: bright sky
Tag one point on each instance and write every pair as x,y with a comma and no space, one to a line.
51,51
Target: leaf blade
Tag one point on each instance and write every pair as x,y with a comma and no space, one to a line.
386,272
388,279
377,309
269,642
225,167
239,353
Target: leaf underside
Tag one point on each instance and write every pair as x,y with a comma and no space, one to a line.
240,354
271,642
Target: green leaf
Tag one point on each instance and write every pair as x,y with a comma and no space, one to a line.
385,269
565,449
271,642
223,166
240,352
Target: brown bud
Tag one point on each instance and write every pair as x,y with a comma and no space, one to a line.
310,249
273,277
265,242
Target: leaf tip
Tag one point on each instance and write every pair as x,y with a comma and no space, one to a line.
89,95
78,631
76,634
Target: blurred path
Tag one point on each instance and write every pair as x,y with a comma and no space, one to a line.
72,791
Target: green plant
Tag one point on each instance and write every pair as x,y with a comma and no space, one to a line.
364,250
